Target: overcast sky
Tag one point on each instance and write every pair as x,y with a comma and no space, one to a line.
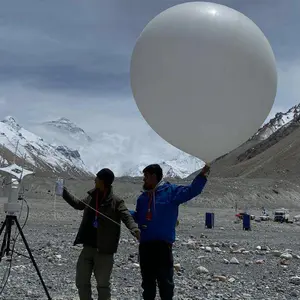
71,57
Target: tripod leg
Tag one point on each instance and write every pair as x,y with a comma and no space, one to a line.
8,227
32,259
4,243
3,247
2,226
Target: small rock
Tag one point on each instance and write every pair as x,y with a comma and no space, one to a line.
294,294
247,296
276,253
234,261
284,262
295,280
235,251
191,244
231,280
217,249
215,279
215,244
202,270
226,261
286,255
220,277
265,248
177,267
260,262
208,249
201,257
258,248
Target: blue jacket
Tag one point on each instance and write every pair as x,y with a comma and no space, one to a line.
165,205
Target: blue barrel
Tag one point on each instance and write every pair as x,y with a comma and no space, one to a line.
246,222
209,220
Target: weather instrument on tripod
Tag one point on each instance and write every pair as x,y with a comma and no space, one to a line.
14,174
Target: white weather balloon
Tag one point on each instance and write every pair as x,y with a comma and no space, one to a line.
204,77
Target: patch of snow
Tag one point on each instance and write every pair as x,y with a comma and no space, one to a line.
281,119
28,145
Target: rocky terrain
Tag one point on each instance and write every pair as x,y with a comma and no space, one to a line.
221,263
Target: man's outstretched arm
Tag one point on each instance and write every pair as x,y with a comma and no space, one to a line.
182,194
73,201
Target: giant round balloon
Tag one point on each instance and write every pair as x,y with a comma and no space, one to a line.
204,77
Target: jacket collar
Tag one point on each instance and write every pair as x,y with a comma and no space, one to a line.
108,197
160,184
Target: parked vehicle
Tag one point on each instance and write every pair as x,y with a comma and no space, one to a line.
297,218
281,215
265,218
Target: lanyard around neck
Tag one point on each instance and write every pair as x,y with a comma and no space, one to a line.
149,213
97,201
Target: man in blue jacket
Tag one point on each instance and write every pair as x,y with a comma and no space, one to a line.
156,215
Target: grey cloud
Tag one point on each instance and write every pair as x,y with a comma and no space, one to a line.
86,45
278,19
73,50
62,45
68,77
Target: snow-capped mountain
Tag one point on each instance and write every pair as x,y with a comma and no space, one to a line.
281,119
14,139
181,166
63,131
62,146
126,155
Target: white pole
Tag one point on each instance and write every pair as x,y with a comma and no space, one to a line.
16,150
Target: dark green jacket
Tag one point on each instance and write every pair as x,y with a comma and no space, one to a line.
108,233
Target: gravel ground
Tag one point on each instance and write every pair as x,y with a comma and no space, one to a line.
205,264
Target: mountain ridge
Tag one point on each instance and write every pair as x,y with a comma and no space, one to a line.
26,148
63,147
271,152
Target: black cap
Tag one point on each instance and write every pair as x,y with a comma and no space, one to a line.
154,169
107,176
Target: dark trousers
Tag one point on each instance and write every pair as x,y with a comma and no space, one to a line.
90,261
156,262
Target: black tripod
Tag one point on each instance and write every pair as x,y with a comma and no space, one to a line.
5,248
